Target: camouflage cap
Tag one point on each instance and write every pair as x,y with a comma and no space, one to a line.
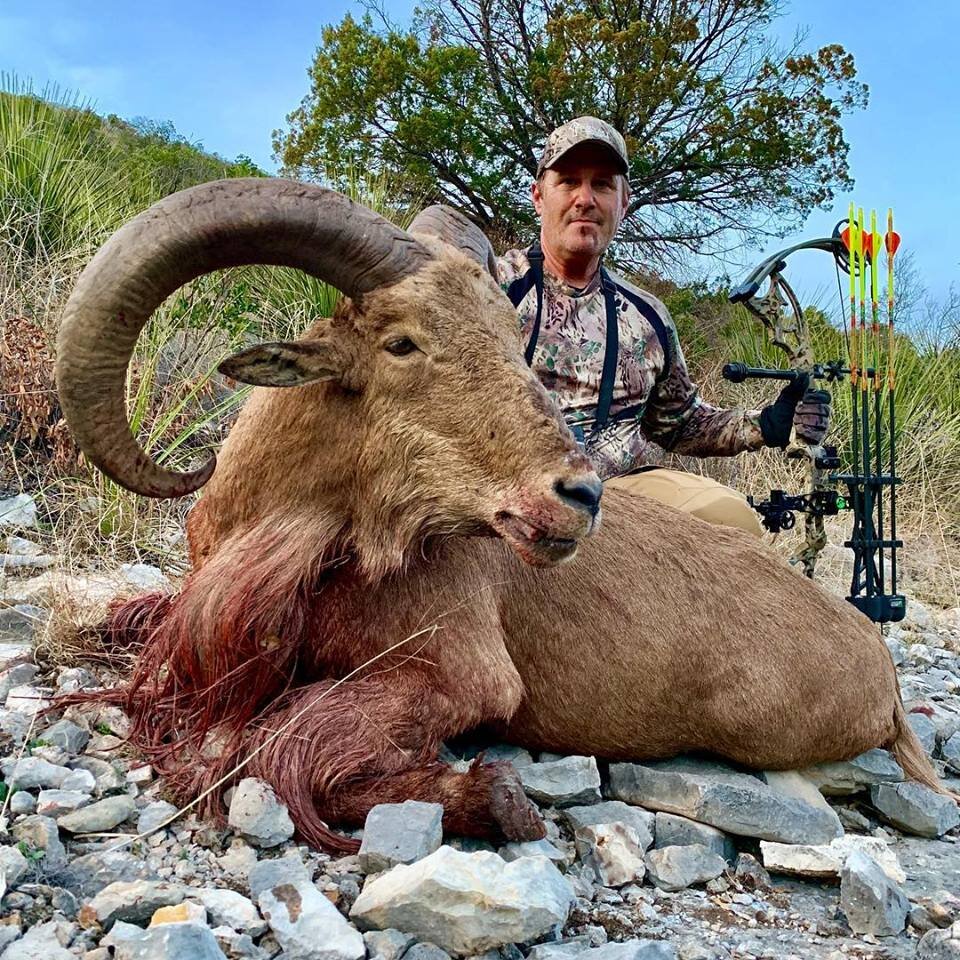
583,130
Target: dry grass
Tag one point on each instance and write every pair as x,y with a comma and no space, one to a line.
71,637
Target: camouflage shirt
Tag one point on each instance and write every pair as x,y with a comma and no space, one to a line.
654,398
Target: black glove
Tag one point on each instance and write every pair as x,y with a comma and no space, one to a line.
776,420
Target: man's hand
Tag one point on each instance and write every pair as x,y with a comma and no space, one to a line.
808,410
812,416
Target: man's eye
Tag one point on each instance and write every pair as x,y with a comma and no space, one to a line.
400,347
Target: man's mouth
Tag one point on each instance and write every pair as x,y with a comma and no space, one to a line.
533,544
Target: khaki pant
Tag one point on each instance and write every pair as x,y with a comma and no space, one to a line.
691,493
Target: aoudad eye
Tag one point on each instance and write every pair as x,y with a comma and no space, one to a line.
401,347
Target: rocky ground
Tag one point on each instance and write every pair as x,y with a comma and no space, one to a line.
688,859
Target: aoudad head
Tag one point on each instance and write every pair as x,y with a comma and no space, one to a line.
454,434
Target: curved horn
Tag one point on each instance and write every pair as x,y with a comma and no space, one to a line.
459,231
227,223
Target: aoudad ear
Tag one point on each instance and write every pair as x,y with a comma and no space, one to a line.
290,364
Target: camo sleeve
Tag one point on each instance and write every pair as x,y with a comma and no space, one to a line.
679,420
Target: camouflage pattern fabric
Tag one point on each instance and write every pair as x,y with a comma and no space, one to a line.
569,362
583,130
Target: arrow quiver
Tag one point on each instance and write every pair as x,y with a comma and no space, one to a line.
870,489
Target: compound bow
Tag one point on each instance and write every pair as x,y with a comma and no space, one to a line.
854,251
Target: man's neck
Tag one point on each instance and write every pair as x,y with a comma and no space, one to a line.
576,273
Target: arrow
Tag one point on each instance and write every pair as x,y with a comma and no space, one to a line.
849,236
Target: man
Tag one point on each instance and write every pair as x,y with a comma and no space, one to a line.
608,352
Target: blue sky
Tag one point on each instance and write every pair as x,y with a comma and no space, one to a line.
227,74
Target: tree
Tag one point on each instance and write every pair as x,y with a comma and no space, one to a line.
726,131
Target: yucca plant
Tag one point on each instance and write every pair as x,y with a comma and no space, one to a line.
61,186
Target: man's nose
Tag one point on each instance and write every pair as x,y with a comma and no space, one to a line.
585,196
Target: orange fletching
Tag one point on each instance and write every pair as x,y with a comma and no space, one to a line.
892,240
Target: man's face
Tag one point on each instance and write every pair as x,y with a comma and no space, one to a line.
581,201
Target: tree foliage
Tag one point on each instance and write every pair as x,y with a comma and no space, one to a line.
725,129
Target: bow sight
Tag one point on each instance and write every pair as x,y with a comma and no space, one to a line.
870,484
778,512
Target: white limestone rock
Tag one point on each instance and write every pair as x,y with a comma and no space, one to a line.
53,803
40,833
870,900
827,860
626,950
950,751
676,868
19,511
792,783
67,735
562,783
467,903
145,576
13,865
387,944
534,848
170,941
230,909
99,817
612,811
31,773
133,902
925,729
28,700
87,875
940,944
257,814
674,831
725,798
613,851
19,675
23,802
915,808
264,874
844,777
153,814
40,942
307,925
400,833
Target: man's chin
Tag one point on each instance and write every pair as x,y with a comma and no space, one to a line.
584,243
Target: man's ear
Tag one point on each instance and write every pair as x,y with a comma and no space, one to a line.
537,197
284,364
625,198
